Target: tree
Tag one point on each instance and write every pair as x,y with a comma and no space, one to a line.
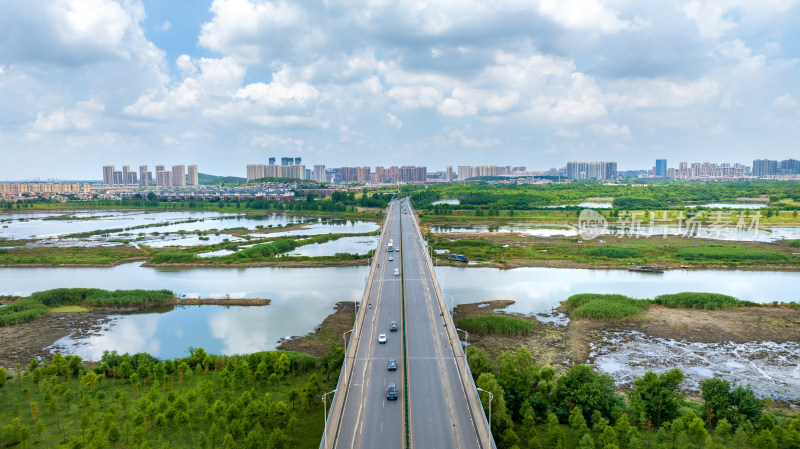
509,438
765,440
479,361
716,394
586,442
499,412
696,431
582,386
723,429
657,396
278,439
609,436
577,422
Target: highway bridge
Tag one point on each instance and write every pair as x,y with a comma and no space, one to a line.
437,405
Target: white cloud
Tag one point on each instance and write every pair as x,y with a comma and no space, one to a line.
785,101
660,93
165,26
207,80
281,93
81,118
583,15
273,141
611,130
253,31
394,120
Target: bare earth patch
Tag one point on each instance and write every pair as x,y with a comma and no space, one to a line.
318,343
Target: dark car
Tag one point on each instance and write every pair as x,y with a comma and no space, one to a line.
393,326
392,365
391,392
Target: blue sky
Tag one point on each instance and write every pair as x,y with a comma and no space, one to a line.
224,83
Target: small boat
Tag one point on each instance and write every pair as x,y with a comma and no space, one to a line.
648,269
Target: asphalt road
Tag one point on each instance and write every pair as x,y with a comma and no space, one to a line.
369,420
438,411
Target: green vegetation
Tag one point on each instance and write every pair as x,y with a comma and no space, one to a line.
22,310
794,243
731,254
632,195
39,303
99,297
266,399
694,300
205,179
599,306
74,255
495,324
536,408
613,253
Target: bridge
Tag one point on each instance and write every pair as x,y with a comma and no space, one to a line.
438,405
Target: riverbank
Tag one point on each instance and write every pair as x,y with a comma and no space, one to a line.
318,342
24,341
752,346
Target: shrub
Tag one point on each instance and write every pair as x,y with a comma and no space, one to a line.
730,254
600,306
21,311
99,297
495,324
696,300
794,243
614,253
173,257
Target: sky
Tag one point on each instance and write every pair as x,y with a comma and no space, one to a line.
226,83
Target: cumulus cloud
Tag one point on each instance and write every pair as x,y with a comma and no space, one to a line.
611,130
81,118
785,101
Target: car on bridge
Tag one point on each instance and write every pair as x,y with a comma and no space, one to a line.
393,326
382,338
391,259
397,272
392,365
391,392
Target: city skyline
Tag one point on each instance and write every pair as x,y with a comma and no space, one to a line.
403,83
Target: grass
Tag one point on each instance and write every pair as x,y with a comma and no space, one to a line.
99,297
794,243
613,253
696,300
731,254
496,324
22,310
73,300
602,306
71,255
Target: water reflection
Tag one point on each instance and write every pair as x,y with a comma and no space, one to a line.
352,245
538,290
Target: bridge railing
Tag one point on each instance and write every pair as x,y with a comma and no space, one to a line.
334,415
482,428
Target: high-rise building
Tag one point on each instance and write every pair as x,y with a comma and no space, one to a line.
449,171
318,174
661,168
159,168
116,178
789,167
272,161
193,176
163,178
591,170
178,175
125,170
108,174
298,161
764,167
287,160
145,177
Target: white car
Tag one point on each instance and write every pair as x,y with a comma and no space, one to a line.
391,259
397,272
382,338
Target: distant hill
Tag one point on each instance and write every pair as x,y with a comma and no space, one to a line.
206,179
